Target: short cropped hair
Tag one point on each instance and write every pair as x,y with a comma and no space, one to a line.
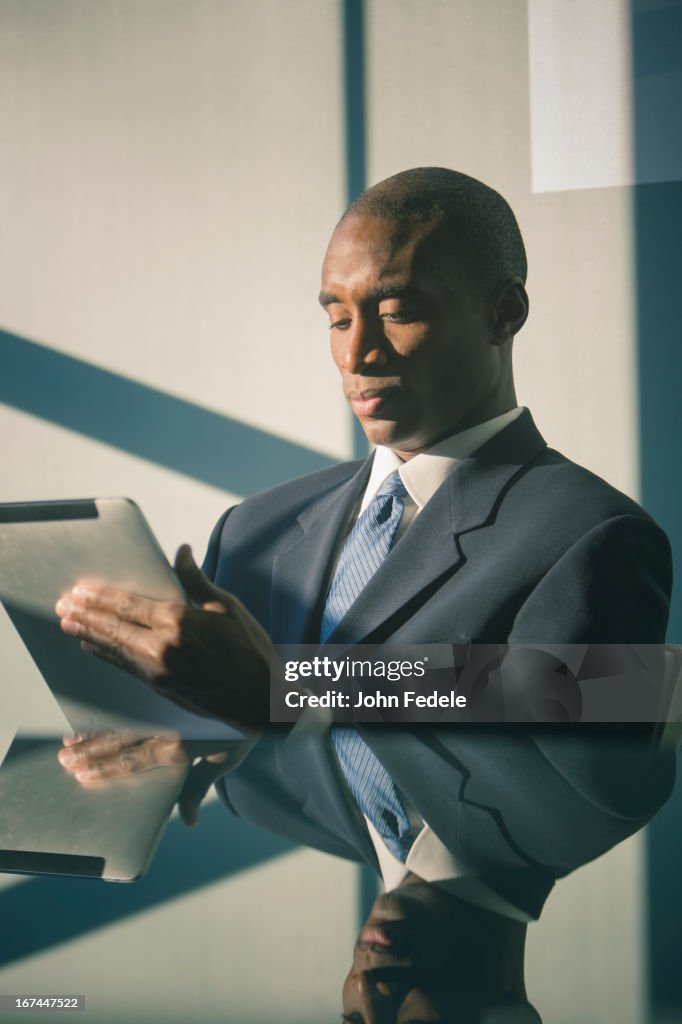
480,221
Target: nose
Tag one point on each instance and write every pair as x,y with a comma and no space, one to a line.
362,345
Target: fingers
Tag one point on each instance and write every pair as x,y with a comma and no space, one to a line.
69,741
213,660
102,621
108,637
118,603
99,745
117,659
113,755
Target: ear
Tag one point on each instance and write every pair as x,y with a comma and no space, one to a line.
511,309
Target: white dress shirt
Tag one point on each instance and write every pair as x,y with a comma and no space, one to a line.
423,474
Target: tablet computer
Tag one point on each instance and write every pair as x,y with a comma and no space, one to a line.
51,825
48,822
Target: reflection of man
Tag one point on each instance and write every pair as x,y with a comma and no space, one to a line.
423,955
462,525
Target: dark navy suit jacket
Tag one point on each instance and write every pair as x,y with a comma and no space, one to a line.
518,545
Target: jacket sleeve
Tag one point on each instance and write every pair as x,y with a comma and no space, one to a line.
611,587
210,563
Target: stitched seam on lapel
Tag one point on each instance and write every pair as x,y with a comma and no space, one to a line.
364,844
299,617
433,742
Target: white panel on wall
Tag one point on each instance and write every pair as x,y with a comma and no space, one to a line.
581,94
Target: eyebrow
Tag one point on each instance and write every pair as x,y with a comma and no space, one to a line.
386,291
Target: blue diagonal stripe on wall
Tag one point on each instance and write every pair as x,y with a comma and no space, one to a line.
354,97
657,207
147,422
45,912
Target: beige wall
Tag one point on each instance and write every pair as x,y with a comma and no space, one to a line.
173,170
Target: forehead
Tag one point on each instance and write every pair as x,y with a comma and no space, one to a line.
371,251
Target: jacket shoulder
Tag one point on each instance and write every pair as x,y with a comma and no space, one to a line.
567,485
267,515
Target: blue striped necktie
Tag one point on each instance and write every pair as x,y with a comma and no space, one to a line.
368,544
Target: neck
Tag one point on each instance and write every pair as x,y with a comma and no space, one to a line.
472,419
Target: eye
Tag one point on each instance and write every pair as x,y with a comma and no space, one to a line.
402,314
339,319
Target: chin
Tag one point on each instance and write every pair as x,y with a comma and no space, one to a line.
383,432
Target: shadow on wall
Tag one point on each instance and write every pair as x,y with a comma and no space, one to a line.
657,82
658,215
33,912
146,422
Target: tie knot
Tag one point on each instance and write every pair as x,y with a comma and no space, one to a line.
392,487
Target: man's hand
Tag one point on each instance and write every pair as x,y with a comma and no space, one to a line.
96,760
209,655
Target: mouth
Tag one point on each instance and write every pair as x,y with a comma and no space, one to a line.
372,401
378,946
374,935
390,934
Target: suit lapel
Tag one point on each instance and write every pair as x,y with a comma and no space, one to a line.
299,584
429,551
308,758
478,483
300,571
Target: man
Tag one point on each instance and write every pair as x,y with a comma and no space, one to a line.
461,526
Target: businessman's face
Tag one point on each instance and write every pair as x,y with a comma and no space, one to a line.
413,340
414,960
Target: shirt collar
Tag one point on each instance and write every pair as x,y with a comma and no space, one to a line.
423,475
433,862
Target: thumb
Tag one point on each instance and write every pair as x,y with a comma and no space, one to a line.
197,587
197,784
